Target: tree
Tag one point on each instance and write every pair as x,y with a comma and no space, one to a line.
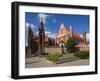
70,45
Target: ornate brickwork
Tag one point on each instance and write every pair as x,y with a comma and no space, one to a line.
64,33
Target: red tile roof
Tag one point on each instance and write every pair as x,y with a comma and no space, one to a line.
76,36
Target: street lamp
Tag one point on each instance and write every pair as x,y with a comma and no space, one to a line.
62,46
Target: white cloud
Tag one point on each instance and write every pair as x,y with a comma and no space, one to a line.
88,36
81,36
50,34
53,18
37,33
53,35
27,24
31,25
43,17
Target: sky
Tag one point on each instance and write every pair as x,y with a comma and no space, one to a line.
52,22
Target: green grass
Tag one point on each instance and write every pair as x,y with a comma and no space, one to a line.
53,57
82,54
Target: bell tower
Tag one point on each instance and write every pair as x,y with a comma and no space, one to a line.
41,41
71,30
84,37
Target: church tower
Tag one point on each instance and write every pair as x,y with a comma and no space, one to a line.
30,34
84,37
71,30
41,41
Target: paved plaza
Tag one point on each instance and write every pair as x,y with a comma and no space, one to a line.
36,62
65,60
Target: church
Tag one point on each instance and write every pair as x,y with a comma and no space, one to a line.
64,34
37,43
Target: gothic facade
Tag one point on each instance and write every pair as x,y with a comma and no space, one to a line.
37,43
64,34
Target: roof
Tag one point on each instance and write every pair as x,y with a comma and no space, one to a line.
36,38
76,36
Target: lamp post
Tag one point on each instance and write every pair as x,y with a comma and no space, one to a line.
62,47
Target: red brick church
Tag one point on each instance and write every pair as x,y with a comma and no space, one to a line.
37,43
64,34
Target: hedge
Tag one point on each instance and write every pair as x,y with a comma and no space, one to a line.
82,54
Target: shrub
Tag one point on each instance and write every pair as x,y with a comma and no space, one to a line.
82,54
53,57
43,55
70,45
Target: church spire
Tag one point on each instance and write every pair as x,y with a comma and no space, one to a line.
41,27
62,26
71,30
41,42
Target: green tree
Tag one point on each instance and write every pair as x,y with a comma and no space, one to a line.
70,45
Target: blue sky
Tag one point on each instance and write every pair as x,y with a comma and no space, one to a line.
52,22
